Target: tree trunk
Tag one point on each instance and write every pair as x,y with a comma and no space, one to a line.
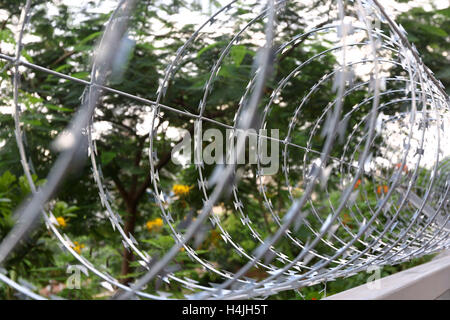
128,254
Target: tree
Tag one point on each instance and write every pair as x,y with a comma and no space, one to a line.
429,31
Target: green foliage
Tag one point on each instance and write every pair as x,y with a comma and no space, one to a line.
429,31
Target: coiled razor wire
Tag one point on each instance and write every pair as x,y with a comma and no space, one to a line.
403,99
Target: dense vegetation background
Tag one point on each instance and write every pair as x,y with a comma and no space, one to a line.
64,42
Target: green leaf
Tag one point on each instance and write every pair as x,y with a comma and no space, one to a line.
208,48
27,56
33,122
238,54
445,12
81,75
107,157
433,30
80,46
225,72
6,180
57,108
64,66
6,36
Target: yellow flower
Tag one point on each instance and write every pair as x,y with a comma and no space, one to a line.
62,222
158,222
181,190
77,247
154,224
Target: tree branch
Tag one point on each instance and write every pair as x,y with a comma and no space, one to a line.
120,187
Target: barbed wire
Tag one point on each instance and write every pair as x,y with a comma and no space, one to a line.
409,219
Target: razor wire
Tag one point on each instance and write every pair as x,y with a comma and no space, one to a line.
409,219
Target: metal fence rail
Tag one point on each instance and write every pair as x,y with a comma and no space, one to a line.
430,281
